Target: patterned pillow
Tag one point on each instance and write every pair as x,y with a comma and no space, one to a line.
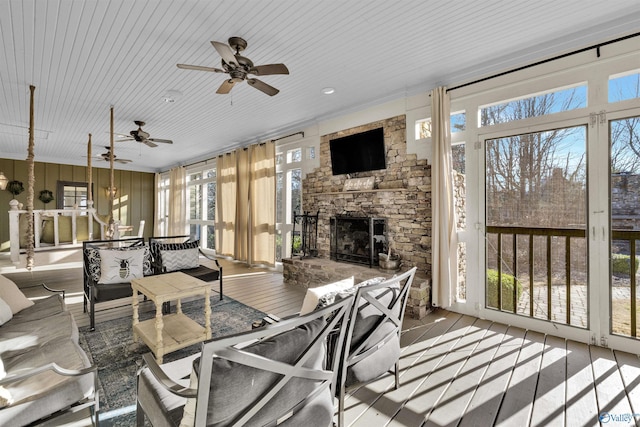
120,266
93,258
174,260
331,297
313,295
159,248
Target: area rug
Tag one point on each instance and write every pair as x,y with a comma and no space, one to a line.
112,349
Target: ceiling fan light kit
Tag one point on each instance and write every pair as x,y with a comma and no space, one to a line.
239,67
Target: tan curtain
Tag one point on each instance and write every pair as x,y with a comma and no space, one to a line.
177,202
156,202
226,204
242,206
445,242
263,204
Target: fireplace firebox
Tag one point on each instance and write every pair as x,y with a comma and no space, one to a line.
358,239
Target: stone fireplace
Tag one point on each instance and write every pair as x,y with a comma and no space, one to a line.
401,196
358,240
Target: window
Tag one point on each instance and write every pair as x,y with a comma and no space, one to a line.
457,123
534,105
71,195
201,190
624,86
163,205
292,160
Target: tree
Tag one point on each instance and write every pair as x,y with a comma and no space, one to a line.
523,171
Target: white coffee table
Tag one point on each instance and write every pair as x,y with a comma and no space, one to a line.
167,333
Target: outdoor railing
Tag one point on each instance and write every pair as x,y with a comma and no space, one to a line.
507,262
38,215
630,237
548,234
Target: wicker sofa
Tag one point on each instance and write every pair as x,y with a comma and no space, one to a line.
43,369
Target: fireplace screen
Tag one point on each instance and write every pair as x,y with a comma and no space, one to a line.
357,239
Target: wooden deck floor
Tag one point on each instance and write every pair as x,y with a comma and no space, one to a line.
463,371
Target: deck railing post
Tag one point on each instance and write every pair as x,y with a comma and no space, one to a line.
14,231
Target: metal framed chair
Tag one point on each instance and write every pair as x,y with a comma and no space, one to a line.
372,344
282,374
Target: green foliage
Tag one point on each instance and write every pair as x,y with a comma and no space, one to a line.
297,244
15,187
621,264
507,290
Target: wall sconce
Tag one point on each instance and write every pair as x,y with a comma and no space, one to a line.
3,181
111,191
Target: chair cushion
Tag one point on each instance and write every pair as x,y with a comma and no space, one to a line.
112,291
41,309
234,386
162,407
23,337
378,362
367,315
46,393
203,273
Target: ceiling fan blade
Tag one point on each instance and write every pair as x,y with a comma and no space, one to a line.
163,141
262,86
200,68
148,143
225,52
123,161
226,87
124,139
265,70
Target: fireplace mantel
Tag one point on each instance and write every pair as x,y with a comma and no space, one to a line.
375,190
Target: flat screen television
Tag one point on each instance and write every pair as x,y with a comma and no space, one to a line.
359,152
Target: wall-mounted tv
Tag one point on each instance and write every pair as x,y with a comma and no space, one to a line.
359,152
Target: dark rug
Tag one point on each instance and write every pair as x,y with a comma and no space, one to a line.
112,349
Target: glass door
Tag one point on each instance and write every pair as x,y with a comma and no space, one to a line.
624,232
536,228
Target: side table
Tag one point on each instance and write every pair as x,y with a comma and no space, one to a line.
167,333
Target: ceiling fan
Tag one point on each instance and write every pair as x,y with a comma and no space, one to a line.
239,67
143,137
106,157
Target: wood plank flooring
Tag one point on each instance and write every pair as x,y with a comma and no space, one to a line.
457,370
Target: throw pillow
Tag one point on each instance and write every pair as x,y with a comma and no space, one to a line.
121,266
10,293
5,398
313,295
174,260
93,261
329,298
157,248
5,313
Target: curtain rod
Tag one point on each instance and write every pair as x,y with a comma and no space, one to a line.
287,136
544,61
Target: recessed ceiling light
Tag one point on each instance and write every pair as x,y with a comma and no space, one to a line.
328,90
171,96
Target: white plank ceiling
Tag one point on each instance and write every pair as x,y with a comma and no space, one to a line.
84,56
